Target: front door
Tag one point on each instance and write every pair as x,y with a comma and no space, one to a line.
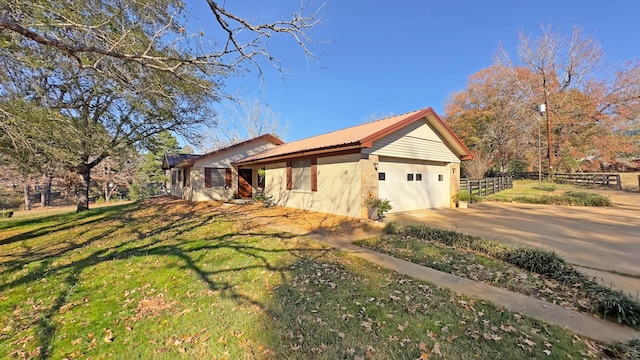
245,186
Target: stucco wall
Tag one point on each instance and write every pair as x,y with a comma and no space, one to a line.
223,159
339,184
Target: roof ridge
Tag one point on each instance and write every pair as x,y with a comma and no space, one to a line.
354,126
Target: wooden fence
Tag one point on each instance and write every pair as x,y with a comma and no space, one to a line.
486,186
581,179
609,180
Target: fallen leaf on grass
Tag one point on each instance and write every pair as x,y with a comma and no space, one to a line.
436,349
422,346
108,336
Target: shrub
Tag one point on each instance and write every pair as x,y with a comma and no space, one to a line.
462,195
383,205
574,198
618,305
536,260
611,303
5,214
393,228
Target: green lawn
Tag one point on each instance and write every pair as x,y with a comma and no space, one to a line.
165,279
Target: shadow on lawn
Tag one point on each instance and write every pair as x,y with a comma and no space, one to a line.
130,222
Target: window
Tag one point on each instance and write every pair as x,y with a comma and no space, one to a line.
440,177
301,174
217,177
382,176
174,177
418,177
214,177
409,177
186,178
262,173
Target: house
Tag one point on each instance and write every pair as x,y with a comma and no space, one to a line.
212,176
413,160
172,173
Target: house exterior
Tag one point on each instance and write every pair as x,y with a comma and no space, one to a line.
413,160
173,174
213,176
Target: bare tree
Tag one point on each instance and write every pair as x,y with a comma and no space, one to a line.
135,31
478,167
243,120
558,63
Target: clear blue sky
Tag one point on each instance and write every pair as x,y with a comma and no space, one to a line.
383,58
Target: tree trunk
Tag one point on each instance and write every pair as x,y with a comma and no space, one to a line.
27,196
83,197
48,189
45,192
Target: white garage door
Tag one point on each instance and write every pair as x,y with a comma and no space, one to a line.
413,186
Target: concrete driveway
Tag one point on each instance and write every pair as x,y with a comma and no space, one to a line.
603,242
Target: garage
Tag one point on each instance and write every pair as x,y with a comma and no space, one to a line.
413,185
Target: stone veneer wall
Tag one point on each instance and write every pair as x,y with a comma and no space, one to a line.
369,180
455,181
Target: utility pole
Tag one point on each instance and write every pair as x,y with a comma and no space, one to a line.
549,143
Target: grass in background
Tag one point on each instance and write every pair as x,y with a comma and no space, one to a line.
166,279
549,193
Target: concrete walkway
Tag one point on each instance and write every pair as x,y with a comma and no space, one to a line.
579,323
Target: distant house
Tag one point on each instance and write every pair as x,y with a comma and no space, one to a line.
413,160
212,176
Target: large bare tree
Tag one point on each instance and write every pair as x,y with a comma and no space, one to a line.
558,63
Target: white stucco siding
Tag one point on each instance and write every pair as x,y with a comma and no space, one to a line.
338,186
430,192
416,141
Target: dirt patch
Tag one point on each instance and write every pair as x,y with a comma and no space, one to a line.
152,307
302,220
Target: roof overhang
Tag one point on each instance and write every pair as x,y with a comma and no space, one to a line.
344,148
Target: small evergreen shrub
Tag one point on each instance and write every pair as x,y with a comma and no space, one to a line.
536,260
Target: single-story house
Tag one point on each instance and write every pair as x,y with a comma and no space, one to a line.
212,176
412,160
173,175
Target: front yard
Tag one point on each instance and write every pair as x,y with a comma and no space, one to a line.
166,279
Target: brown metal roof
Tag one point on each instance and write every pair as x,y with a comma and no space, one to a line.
358,137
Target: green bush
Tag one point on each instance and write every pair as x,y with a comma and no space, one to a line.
618,305
573,198
611,303
383,205
5,214
536,260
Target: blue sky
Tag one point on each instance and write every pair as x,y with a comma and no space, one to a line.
383,58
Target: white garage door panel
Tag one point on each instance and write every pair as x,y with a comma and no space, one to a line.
404,195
